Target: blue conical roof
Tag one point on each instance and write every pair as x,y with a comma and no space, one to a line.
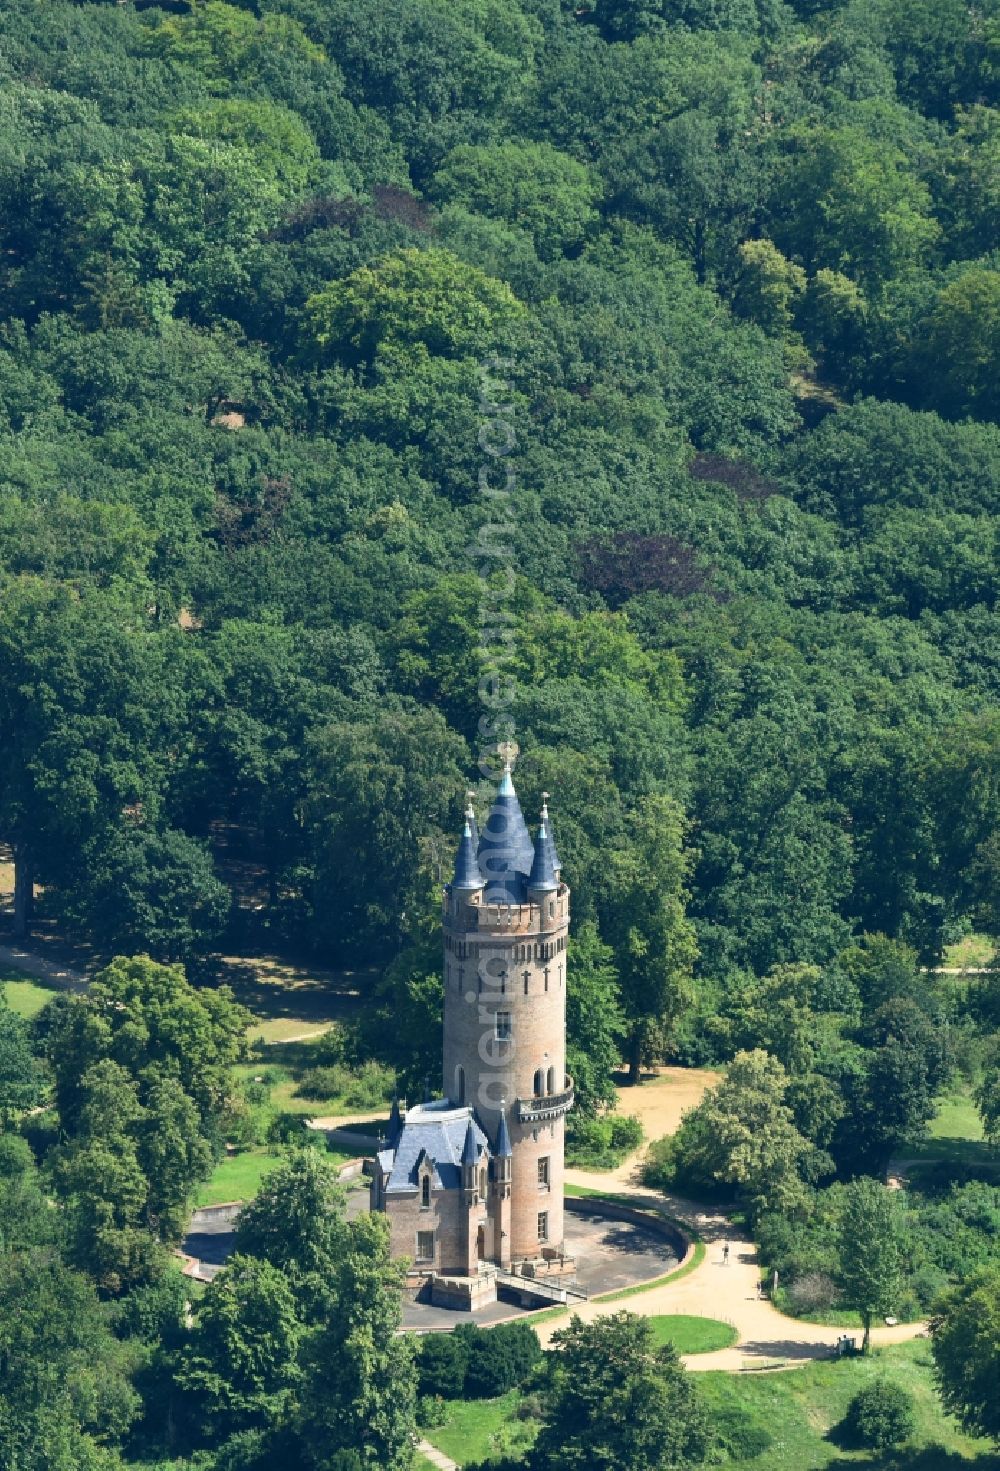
470,1149
549,835
506,851
395,1124
503,1149
543,875
467,874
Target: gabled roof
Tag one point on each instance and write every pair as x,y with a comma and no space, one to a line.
441,1132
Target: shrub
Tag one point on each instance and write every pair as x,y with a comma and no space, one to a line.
739,1435
602,1141
500,1358
329,1048
431,1411
813,1293
928,1282
442,1361
879,1416
371,1086
323,1082
626,1133
659,1166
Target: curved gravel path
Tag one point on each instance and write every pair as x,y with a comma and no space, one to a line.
716,1288
721,1289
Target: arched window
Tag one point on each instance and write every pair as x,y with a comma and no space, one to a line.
540,1083
460,1085
552,1080
425,1192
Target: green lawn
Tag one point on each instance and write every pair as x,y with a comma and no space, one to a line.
25,996
955,1135
239,1176
284,1029
799,1408
693,1335
479,1428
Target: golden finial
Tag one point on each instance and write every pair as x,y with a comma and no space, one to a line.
508,752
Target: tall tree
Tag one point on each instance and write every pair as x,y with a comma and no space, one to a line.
643,918
871,1251
240,1365
359,1392
615,1402
966,1346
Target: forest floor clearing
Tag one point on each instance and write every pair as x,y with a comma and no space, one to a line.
659,1102
290,1003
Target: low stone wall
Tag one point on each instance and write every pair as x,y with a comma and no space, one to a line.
353,1140
599,1205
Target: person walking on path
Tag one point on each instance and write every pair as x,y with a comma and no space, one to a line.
725,1254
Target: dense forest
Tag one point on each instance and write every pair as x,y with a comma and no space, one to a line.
739,257
271,273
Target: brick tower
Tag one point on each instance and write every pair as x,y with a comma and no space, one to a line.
506,923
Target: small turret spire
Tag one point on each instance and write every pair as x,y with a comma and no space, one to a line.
503,1150
543,873
395,1123
470,1149
467,873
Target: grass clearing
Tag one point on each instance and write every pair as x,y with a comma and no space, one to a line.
24,995
800,1407
273,1030
476,1429
955,1137
972,953
239,1176
691,1335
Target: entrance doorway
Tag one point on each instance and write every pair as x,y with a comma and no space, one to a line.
481,1244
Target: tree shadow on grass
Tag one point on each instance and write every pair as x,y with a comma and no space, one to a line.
924,1458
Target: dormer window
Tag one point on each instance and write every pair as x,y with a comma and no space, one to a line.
425,1193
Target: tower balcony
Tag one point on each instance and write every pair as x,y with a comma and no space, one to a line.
545,1106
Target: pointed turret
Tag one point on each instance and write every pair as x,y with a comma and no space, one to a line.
506,852
543,874
550,836
395,1124
470,816
470,1149
503,1149
467,872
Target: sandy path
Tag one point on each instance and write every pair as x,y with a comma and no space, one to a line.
724,1290
43,968
716,1288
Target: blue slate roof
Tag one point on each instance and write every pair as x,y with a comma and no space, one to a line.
470,1149
440,1131
506,851
543,874
504,1150
550,835
467,874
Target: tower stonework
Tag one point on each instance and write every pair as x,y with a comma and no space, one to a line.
506,926
473,1181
